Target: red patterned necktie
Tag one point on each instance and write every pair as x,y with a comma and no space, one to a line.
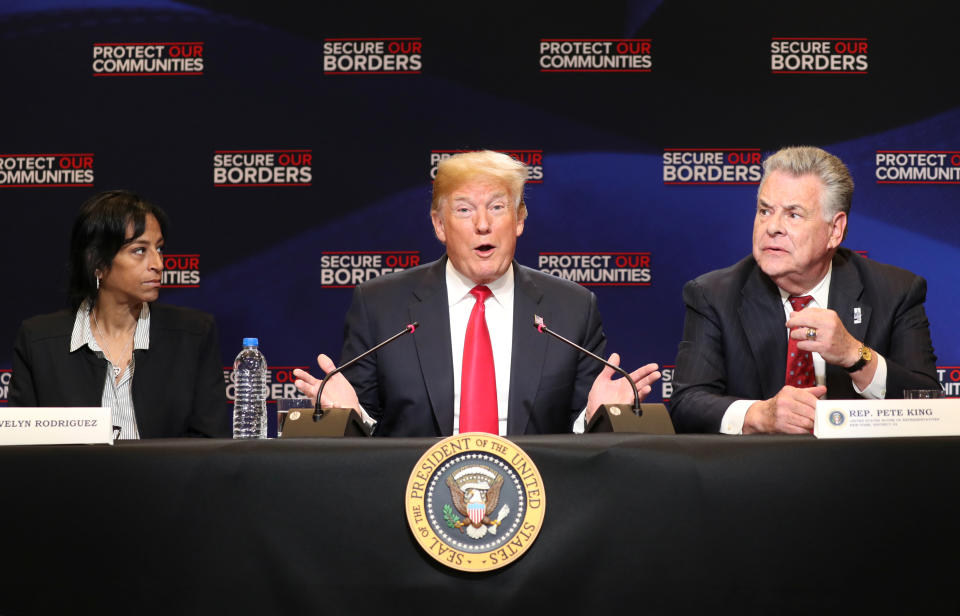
478,381
799,363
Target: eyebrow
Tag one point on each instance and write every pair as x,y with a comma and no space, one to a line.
791,206
494,197
140,240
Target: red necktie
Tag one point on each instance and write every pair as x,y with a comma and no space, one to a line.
478,382
799,363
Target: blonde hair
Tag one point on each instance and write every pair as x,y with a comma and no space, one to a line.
460,168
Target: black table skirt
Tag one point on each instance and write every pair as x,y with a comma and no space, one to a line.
646,524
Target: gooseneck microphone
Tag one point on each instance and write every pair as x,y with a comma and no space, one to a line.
409,329
543,329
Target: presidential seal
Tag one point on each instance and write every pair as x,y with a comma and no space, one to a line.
837,417
475,502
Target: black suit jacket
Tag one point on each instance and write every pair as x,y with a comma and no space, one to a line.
735,344
408,386
178,387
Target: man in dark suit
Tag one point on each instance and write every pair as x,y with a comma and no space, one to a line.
415,386
752,362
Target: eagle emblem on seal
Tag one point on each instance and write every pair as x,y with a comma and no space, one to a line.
475,491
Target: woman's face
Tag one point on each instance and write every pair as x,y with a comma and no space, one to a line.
136,271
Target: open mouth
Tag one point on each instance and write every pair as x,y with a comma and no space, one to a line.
484,249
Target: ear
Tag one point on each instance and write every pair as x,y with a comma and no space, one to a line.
519,228
438,226
838,229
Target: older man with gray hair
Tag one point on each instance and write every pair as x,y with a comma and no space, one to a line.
801,318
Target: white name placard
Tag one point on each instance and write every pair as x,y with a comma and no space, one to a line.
55,426
874,418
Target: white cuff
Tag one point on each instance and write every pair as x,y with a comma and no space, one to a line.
732,422
580,424
369,421
877,389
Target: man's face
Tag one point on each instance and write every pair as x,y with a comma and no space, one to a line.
477,222
792,242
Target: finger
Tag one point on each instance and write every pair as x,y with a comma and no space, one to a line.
607,371
797,425
800,333
326,364
643,372
792,430
809,396
799,415
792,404
307,389
648,380
797,399
305,376
808,317
798,319
792,415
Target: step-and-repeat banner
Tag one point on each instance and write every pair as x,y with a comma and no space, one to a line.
293,146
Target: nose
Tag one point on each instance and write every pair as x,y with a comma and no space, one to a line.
774,224
156,261
482,220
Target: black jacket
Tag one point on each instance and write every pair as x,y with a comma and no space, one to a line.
408,386
178,387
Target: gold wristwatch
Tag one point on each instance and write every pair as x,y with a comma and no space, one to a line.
865,356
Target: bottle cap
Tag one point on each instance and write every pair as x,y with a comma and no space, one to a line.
251,342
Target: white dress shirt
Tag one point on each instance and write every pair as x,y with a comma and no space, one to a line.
732,422
499,313
117,396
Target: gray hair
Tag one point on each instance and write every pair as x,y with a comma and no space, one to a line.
809,160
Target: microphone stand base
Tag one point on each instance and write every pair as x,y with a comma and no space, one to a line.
334,422
654,419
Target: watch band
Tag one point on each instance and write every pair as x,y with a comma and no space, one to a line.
865,356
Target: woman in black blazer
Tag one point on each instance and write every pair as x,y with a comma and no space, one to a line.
157,367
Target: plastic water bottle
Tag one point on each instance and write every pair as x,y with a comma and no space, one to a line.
250,400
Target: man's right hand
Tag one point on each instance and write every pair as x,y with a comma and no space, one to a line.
791,411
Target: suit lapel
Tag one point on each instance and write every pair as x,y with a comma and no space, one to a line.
149,410
762,319
146,380
93,378
430,308
528,353
846,289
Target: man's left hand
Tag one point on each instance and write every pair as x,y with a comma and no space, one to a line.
607,390
833,342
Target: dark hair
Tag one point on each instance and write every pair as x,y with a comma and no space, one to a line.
99,232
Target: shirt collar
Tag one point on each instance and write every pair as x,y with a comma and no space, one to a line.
820,292
459,286
83,335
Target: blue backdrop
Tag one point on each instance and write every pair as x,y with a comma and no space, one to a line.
252,255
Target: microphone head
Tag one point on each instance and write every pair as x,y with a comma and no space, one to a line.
538,323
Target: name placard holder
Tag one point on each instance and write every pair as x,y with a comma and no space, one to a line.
55,426
884,418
